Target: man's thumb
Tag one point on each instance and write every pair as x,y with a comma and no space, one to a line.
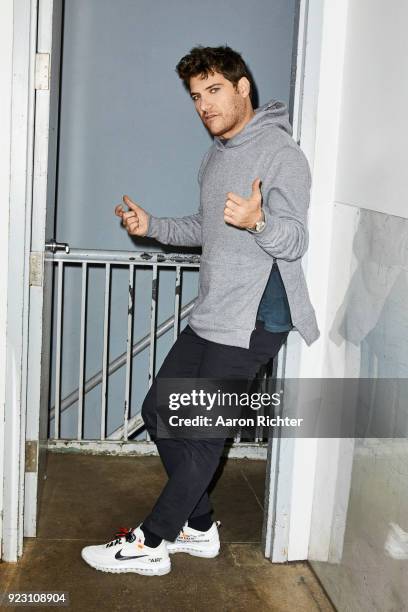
132,205
256,187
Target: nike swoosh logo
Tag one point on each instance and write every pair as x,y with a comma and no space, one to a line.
120,556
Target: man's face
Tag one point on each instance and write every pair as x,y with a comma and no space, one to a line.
221,106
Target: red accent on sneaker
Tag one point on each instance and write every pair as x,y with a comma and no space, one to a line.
123,532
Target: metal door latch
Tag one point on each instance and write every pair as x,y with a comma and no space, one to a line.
55,246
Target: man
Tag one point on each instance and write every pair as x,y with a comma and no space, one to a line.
252,227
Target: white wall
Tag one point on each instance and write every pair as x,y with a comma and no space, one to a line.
372,159
6,41
327,24
357,275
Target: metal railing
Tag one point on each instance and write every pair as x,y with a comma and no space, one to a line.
106,259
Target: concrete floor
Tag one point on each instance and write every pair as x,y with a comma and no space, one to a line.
86,498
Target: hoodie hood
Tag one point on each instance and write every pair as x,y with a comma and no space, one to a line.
272,114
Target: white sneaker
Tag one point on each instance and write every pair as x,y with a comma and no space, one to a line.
128,553
197,543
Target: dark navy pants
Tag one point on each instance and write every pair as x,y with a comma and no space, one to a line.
191,463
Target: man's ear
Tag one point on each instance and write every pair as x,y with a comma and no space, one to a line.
244,87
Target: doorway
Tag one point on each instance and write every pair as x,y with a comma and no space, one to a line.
96,165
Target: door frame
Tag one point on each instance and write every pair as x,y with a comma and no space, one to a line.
282,515
49,35
17,258
6,71
309,479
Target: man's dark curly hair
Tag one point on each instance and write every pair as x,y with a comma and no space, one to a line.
207,60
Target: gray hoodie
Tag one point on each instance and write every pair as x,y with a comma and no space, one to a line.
235,264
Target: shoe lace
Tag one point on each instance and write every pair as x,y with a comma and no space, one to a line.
123,532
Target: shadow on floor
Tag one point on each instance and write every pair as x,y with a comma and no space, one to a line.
86,498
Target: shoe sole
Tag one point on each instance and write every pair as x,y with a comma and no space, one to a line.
208,554
160,571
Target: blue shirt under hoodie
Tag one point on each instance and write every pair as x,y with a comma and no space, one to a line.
274,308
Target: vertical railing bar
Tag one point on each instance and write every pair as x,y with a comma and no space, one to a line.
152,345
258,428
282,362
57,406
153,306
129,343
105,357
177,304
262,411
82,351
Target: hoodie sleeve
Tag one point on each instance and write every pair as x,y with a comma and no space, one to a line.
286,195
179,231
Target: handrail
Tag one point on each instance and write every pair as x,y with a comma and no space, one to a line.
138,258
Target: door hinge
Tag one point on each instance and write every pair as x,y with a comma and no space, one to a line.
31,455
36,268
42,71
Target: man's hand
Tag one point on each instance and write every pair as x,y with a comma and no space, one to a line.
244,212
135,220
